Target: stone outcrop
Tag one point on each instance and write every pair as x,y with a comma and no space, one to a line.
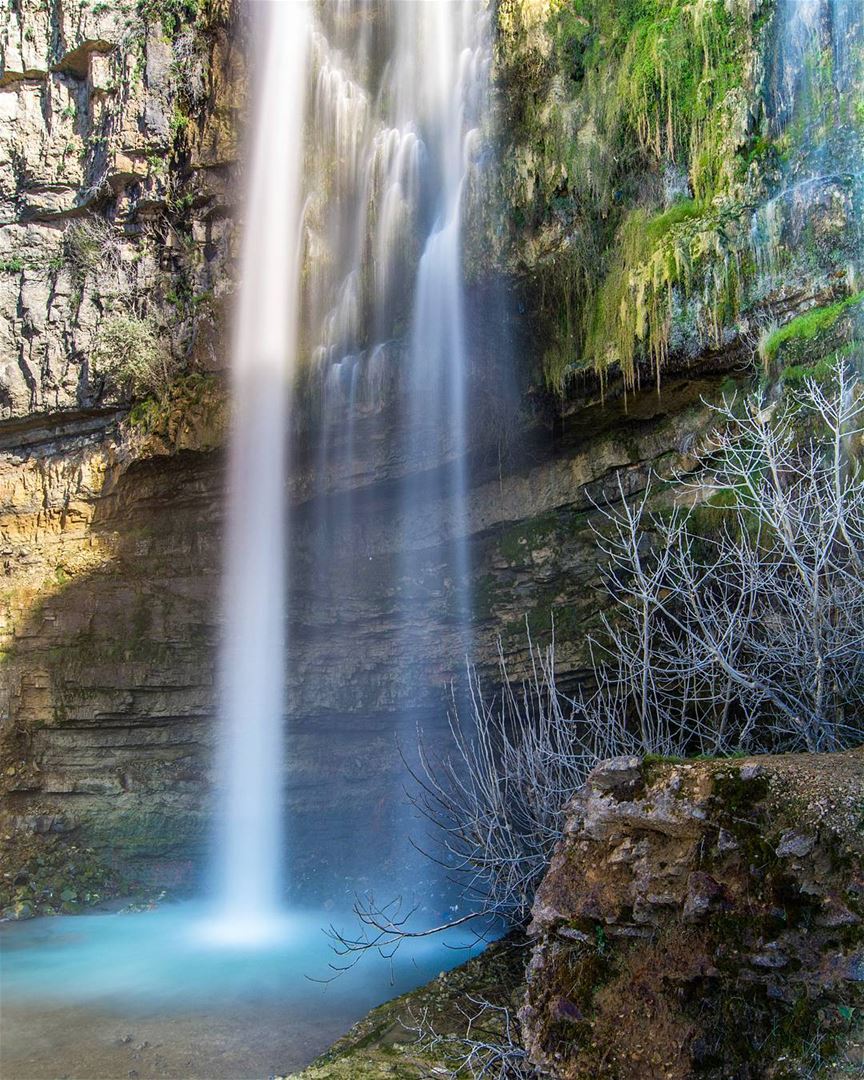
114,190
702,919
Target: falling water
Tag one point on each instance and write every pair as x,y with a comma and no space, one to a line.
364,148
250,841
816,62
401,95
438,355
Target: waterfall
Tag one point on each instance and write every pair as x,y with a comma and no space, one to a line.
401,97
438,354
250,841
816,61
364,145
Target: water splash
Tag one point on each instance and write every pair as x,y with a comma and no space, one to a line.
250,842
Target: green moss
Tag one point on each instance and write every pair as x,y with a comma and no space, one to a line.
738,798
486,592
809,326
179,121
685,248
192,407
518,542
629,90
823,370
51,874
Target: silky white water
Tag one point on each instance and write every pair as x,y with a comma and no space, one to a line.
401,105
816,62
364,143
250,844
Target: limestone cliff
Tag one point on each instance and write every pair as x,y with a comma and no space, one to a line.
116,127
117,131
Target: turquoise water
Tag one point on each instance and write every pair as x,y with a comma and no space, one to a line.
150,994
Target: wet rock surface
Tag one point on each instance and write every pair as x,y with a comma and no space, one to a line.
388,1042
111,544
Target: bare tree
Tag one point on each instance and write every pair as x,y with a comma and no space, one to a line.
749,633
497,800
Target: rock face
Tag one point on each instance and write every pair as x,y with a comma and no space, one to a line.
110,608
113,190
689,904
117,146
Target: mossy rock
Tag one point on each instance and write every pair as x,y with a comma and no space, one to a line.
384,1045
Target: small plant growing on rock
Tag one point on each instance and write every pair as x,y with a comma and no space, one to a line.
131,352
90,244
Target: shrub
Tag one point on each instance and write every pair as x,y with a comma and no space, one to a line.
733,625
131,352
88,244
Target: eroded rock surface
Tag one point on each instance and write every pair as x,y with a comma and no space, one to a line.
113,190
702,919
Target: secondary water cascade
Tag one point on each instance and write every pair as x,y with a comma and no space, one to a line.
816,62
366,140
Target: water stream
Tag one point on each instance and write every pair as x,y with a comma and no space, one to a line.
816,60
354,231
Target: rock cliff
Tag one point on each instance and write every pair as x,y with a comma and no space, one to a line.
116,237
699,919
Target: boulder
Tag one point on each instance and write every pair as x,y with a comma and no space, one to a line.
701,918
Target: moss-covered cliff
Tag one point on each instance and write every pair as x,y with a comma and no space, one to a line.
675,175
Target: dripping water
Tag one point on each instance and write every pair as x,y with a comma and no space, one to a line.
816,61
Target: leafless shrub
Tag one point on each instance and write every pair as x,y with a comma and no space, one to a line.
497,801
733,625
744,630
489,1049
